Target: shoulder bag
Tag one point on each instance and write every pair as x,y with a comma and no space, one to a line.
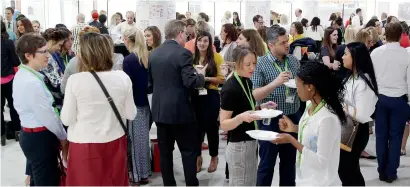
349,131
114,108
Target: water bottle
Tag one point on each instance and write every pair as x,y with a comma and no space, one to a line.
266,121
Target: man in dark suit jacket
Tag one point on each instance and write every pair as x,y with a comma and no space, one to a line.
172,78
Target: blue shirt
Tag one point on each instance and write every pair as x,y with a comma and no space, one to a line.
139,78
266,72
34,103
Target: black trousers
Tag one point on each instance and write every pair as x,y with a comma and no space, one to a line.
6,93
349,166
41,150
207,112
186,137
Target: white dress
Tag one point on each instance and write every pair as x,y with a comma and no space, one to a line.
319,161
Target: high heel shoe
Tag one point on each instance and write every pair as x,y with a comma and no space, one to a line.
198,164
213,165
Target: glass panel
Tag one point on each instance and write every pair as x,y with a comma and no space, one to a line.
34,10
121,6
282,8
86,7
53,13
70,12
220,8
181,7
101,5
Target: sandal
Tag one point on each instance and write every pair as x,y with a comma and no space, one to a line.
403,152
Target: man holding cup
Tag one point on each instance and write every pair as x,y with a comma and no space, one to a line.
272,71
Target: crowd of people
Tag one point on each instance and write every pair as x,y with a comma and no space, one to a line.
81,112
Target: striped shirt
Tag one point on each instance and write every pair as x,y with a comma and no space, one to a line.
266,72
76,30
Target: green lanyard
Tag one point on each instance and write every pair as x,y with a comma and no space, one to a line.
248,95
304,124
281,70
44,85
66,60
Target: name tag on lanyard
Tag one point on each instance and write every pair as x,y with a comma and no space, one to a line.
203,91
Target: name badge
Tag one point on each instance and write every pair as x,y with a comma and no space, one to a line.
290,99
203,91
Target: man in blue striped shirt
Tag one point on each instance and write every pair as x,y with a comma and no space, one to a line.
272,71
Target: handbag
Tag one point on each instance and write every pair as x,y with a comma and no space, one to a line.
349,131
114,108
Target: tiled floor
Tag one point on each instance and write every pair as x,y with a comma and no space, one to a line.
13,167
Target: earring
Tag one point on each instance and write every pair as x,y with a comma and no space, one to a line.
309,89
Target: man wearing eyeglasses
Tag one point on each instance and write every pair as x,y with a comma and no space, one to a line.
257,22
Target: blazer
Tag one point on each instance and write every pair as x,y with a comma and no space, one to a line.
9,58
171,79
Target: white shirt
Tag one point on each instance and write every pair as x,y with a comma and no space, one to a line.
86,111
122,27
391,65
315,35
34,102
225,49
225,21
360,96
356,21
319,162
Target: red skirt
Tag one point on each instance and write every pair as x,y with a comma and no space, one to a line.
98,164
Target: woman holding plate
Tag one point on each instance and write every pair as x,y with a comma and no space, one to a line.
318,142
236,117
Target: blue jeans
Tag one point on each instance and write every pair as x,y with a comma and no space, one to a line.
268,153
391,116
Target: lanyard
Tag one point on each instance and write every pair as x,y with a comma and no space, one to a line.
304,124
44,85
61,66
281,70
248,95
66,60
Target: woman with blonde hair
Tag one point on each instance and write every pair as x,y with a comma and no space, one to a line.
375,38
98,145
365,36
135,66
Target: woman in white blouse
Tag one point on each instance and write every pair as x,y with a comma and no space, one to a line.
98,146
315,31
318,142
359,103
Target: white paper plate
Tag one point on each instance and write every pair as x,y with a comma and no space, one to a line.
291,83
262,135
268,113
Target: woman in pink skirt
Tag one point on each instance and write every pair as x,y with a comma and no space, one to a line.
98,145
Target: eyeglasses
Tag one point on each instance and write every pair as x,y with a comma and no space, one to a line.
44,52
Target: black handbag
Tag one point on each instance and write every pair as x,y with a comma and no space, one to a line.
114,108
